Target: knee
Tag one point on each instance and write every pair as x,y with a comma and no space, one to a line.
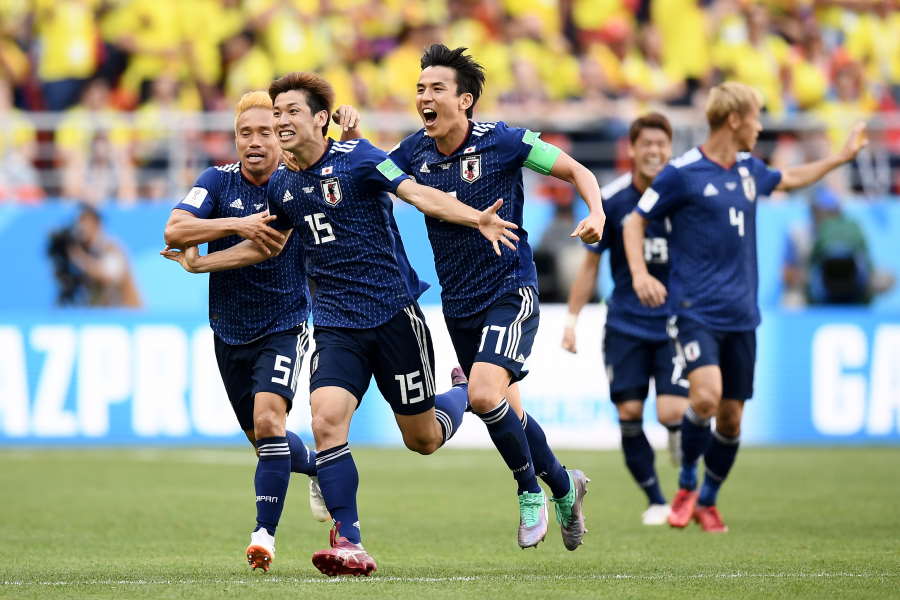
421,444
631,411
483,398
268,423
705,400
728,424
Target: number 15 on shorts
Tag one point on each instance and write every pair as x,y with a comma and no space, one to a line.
410,383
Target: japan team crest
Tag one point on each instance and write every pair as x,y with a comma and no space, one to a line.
470,168
331,191
748,183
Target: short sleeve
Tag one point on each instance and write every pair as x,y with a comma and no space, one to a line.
667,193
375,170
275,196
767,178
200,200
525,148
401,154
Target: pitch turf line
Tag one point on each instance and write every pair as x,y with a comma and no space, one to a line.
461,579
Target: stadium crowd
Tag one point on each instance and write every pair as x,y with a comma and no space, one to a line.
118,70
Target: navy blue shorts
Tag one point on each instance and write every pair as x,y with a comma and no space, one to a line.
502,334
397,353
733,351
631,362
270,364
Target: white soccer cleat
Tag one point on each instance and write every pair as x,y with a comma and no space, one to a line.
261,551
317,501
674,444
656,514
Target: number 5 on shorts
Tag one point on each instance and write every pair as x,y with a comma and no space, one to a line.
283,366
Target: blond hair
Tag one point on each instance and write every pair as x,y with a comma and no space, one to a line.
730,97
254,99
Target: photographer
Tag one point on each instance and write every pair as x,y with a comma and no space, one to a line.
90,268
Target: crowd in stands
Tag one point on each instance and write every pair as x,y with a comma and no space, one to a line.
118,70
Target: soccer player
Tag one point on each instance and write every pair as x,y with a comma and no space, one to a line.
258,313
636,347
709,194
491,306
365,311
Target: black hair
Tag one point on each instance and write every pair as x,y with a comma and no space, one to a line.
469,74
319,93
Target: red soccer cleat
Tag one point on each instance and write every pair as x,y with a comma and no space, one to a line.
683,508
709,519
343,558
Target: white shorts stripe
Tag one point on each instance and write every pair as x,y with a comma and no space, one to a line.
299,353
418,327
514,334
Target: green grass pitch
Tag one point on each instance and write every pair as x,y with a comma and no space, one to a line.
173,523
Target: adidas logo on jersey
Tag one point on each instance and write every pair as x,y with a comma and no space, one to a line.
287,196
237,204
424,168
710,190
257,206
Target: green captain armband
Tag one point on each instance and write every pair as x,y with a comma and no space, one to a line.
542,155
389,169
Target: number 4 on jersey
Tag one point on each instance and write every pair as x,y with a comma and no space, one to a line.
737,219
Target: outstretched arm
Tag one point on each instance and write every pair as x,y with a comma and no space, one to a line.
806,174
581,291
184,229
650,291
445,207
566,168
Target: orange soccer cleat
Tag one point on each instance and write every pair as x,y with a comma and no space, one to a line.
709,519
683,508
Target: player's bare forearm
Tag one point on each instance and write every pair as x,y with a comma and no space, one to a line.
633,231
437,204
583,286
568,169
809,173
184,229
240,255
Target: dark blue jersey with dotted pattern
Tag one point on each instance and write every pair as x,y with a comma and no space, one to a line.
247,303
625,312
341,209
714,277
485,167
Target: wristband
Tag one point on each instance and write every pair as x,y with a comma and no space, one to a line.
571,320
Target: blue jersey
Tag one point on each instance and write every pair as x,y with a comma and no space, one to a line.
341,210
713,243
247,303
485,167
626,314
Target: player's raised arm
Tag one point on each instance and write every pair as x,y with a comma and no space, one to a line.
806,174
566,168
445,207
184,229
650,291
579,295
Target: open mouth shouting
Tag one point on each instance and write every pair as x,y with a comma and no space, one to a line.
429,116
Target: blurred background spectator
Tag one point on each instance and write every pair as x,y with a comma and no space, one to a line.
90,268
580,68
827,260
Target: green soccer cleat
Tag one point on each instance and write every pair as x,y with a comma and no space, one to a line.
532,519
568,510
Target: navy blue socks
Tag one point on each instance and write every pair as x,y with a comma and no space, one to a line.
639,458
303,460
718,460
545,463
273,474
508,435
695,436
449,408
339,481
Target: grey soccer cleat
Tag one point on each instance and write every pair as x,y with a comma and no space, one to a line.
568,510
532,519
317,501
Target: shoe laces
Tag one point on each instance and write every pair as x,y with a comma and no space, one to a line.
530,508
